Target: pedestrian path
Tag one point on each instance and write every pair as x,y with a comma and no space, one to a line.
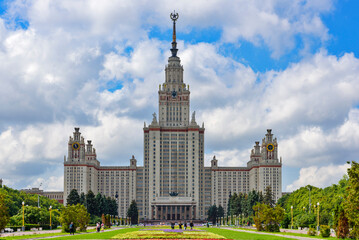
35,233
21,233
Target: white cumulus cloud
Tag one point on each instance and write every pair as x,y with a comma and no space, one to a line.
319,176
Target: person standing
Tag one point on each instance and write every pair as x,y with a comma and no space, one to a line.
98,227
72,228
185,225
191,225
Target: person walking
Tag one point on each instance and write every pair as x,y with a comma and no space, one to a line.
102,227
191,225
71,227
185,225
98,227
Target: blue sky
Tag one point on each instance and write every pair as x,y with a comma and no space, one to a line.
291,66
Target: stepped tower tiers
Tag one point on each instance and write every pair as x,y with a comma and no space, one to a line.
173,184
173,150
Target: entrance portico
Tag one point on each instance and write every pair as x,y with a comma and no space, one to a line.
173,208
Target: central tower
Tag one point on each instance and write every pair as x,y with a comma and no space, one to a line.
173,95
173,151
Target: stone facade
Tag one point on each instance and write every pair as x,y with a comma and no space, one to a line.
173,184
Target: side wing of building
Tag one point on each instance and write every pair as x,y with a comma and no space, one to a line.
83,172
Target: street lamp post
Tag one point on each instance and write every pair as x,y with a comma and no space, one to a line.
318,216
309,200
116,197
23,216
291,212
50,217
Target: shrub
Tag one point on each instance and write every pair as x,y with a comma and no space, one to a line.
94,219
324,231
312,232
272,228
258,224
76,214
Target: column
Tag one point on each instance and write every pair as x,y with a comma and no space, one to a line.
166,207
176,209
194,212
156,212
185,212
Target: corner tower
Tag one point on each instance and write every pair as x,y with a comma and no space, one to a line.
173,151
80,167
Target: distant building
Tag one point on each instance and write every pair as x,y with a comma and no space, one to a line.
173,184
58,196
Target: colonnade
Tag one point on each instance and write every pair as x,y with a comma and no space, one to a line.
174,212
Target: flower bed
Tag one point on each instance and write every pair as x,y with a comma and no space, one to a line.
168,234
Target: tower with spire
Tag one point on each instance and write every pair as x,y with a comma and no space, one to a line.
174,148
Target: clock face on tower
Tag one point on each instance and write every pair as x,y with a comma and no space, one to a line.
75,146
174,94
270,147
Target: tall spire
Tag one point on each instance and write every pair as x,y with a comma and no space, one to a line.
174,17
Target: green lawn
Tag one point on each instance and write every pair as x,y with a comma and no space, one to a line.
231,234
132,232
288,233
101,235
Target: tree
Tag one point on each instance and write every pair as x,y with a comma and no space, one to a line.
220,211
113,208
83,199
305,219
268,216
352,200
252,199
91,203
73,198
100,207
342,225
4,214
104,205
76,214
213,214
133,212
268,196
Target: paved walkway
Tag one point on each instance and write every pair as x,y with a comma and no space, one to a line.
13,234
276,234
34,233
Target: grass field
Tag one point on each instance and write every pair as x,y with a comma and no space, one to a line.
230,234
162,233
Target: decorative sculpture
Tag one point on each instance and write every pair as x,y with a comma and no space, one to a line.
173,194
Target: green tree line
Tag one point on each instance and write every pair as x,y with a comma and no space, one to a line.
11,209
95,205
